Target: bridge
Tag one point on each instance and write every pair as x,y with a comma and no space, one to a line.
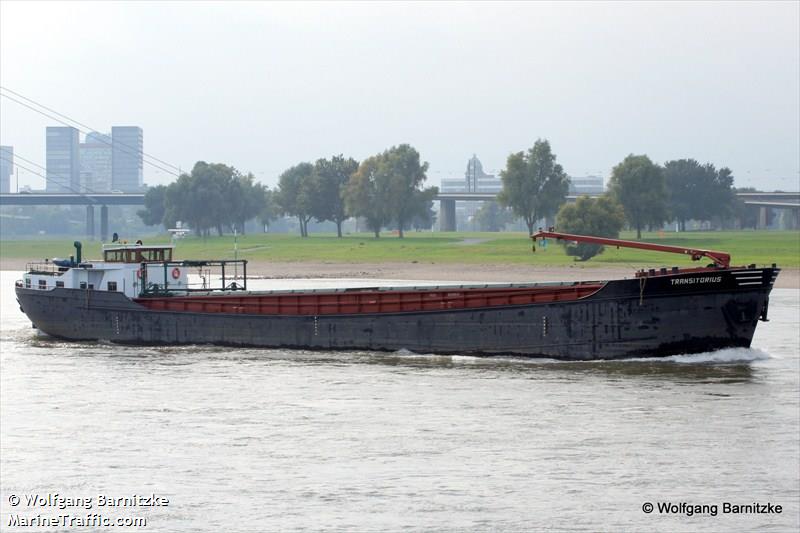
25,198
89,200
447,203
764,200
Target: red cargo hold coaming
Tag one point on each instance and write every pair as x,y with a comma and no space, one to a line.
370,300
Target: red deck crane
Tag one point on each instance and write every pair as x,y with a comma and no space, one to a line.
720,259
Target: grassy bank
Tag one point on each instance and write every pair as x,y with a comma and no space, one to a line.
761,247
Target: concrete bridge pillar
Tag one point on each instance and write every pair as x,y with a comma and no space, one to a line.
792,219
762,217
104,223
447,212
90,222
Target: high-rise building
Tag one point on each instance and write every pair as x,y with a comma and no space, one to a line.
6,168
126,158
95,155
63,164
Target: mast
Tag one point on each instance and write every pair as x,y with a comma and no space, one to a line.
720,259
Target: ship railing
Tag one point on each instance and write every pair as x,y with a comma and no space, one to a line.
47,268
214,276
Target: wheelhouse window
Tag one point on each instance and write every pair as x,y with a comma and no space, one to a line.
59,283
154,255
42,283
114,256
138,255
112,286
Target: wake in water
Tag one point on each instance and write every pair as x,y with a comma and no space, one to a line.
727,355
724,356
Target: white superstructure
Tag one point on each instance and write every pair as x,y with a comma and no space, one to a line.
126,268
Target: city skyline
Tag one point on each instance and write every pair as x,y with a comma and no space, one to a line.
101,163
92,159
97,174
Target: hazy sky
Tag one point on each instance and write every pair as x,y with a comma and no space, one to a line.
263,86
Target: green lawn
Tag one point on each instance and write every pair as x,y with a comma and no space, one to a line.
745,247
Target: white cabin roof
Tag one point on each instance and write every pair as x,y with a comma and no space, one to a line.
126,246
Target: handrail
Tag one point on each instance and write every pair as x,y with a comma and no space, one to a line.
42,267
720,259
159,289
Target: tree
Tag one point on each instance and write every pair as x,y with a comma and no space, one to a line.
721,190
198,198
534,185
698,192
386,188
492,216
154,206
269,209
244,200
422,214
597,217
296,193
213,195
406,175
367,193
332,177
638,184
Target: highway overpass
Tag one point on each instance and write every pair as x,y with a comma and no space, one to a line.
103,200
764,200
71,199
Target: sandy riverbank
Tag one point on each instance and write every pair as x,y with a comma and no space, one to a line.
788,279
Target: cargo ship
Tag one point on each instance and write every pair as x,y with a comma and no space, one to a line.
138,294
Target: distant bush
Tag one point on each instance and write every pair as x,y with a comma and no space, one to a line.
598,217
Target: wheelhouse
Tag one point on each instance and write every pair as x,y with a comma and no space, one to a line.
136,270
137,253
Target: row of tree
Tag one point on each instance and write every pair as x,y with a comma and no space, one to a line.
387,190
212,197
313,191
383,190
535,187
679,190
640,192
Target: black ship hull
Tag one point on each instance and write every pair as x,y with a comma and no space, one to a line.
649,316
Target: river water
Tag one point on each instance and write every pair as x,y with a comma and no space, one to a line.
274,440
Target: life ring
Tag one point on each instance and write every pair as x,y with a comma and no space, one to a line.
176,273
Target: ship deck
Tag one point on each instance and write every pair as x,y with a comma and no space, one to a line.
372,299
